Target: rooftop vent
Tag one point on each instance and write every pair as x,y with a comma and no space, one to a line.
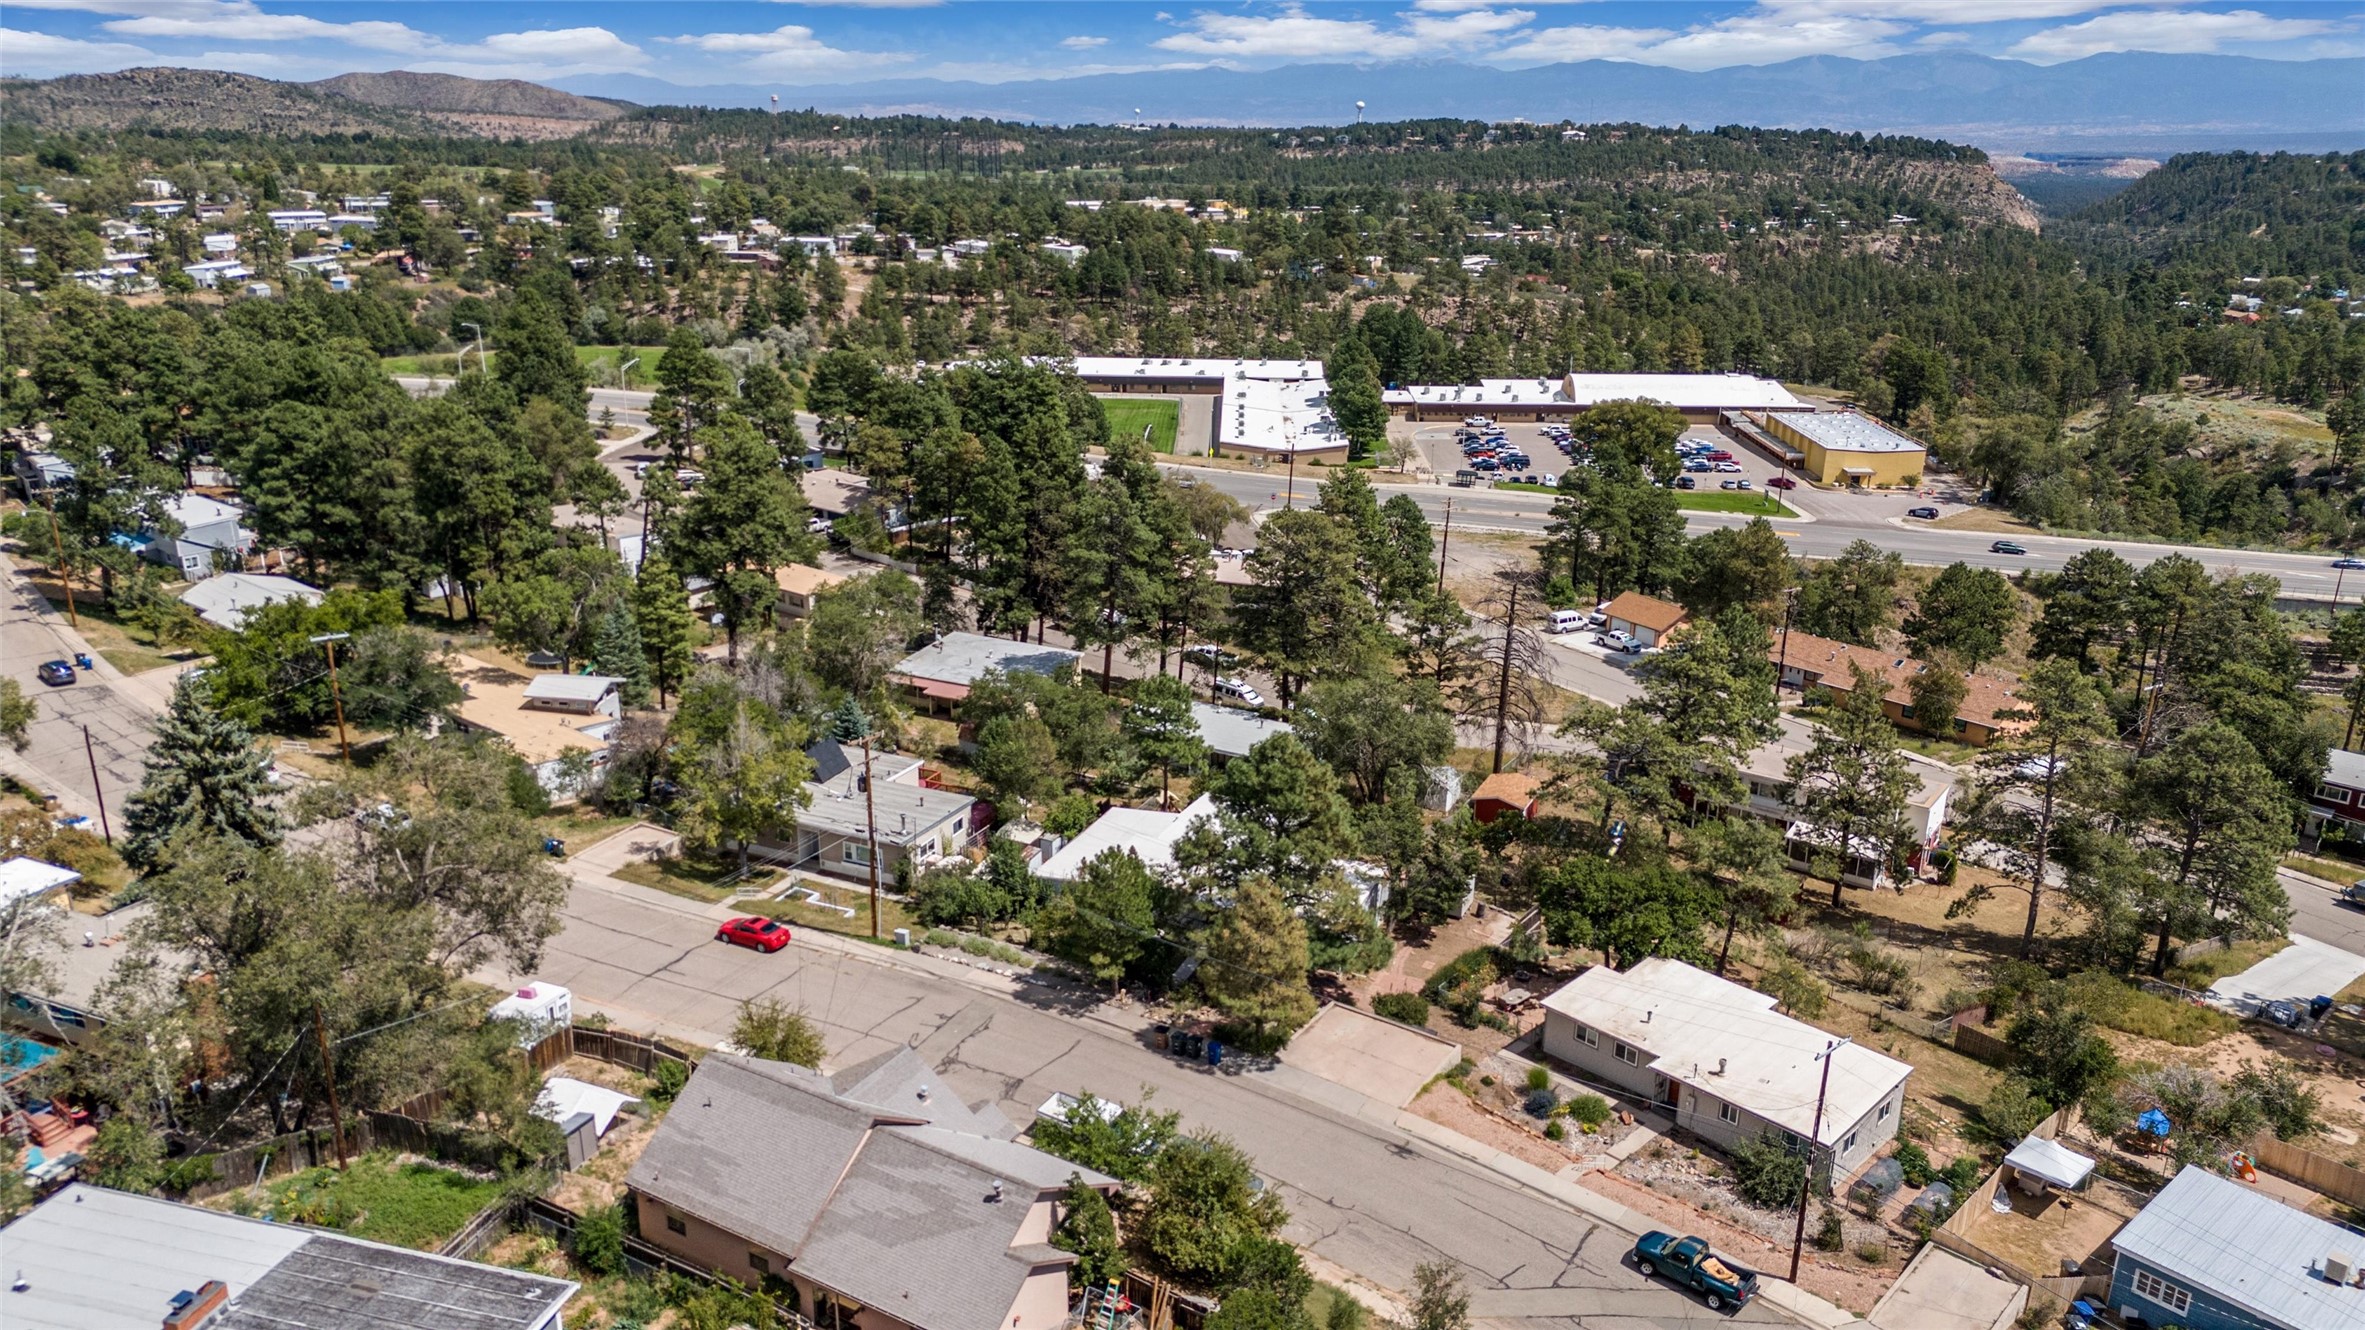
2338,1268
192,1308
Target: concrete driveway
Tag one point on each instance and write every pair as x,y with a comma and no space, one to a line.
1377,1058
2300,971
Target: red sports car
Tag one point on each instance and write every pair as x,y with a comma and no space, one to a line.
754,931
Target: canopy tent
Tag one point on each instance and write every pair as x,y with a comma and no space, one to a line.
2152,1122
563,1097
2049,1161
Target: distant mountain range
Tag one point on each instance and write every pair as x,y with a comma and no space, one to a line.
2132,102
392,103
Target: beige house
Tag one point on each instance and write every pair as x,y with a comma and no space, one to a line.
874,1196
799,585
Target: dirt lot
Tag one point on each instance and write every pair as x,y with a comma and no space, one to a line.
1837,1278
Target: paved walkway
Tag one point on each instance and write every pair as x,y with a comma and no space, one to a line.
2305,969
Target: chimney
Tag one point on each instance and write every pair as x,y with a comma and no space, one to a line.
193,1309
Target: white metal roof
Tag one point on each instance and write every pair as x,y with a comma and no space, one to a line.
2051,1160
195,510
2345,769
1690,1023
964,658
1231,731
570,687
2217,1237
1849,432
1148,833
22,878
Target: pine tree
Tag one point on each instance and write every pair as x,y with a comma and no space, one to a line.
1162,730
1257,961
616,651
848,723
662,610
204,771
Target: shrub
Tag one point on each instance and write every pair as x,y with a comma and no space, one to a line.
599,1240
1540,1103
1793,989
2283,1096
1590,1111
1070,814
667,1079
2013,1111
1410,1008
1831,1232
937,937
1538,1079
1767,1173
1872,1253
1963,1174
1553,1131
1916,1163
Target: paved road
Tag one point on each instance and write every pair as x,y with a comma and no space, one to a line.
1364,1195
2316,913
116,709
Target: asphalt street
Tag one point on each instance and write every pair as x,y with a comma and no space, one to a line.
116,711
1363,1195
2316,913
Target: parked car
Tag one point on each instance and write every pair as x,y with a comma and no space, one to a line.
1781,483
1686,483
1719,455
753,930
1719,1281
1728,484
1697,465
1728,466
1565,621
55,673
2007,547
1238,690
688,478
1209,655
1618,640
1925,512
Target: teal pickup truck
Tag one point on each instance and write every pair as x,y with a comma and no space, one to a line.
1688,1262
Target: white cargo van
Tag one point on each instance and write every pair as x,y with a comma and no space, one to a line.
1566,621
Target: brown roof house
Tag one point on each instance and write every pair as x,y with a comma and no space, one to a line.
1647,619
800,584
1503,792
875,1194
1807,661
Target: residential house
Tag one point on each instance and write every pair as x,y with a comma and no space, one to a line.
2339,796
225,601
2209,1253
938,676
216,272
1647,619
1230,732
815,245
874,1194
211,538
221,242
23,879
1065,252
546,719
298,219
1223,254
896,803
1765,771
1720,1060
1806,661
1501,793
800,584
1147,833
90,1258
39,471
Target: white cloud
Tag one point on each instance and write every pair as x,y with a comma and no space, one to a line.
789,47
1934,40
2174,34
1457,6
243,23
1749,39
1083,43
1947,11
1585,42
1293,32
1476,27
182,8
40,55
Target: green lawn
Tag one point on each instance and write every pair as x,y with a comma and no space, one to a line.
1128,419
695,877
602,361
801,913
1732,501
411,1205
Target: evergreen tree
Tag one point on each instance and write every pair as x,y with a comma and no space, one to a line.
847,723
1848,598
1087,1228
661,611
1161,730
538,355
204,771
1852,782
745,522
1965,610
616,651
1105,919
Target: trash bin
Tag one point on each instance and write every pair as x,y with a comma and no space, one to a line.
1161,1035
903,938
1215,1053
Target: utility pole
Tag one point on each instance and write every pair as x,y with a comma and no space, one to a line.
65,575
328,1070
1798,1239
870,816
91,752
1443,541
330,640
1789,608
1503,684
1289,499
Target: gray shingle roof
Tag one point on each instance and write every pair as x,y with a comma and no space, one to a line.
872,1201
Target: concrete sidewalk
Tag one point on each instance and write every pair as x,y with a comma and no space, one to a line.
2305,969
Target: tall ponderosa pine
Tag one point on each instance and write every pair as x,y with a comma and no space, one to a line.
205,771
1162,731
1852,782
661,611
1257,962
616,651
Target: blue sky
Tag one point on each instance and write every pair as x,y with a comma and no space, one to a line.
797,43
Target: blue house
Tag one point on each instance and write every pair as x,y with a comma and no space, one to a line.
2209,1253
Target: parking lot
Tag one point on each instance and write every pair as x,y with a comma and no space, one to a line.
1443,453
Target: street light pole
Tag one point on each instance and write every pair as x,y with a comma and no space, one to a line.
870,817
624,372
480,360
1798,1240
330,640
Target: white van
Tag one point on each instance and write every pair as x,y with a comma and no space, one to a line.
1566,621
1237,690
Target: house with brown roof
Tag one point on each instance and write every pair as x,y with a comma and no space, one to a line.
1647,619
874,1194
1807,661
1504,792
800,585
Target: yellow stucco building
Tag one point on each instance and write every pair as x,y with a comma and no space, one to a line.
1845,448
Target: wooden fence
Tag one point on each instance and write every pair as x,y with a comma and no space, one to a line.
1971,1041
2310,1170
625,1049
273,1158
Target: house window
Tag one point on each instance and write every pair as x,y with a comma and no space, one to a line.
854,851
1728,1114
1626,1055
960,824
1909,711
2331,794
2162,1292
759,1262
674,1224
1848,1144
1591,1036
1884,1114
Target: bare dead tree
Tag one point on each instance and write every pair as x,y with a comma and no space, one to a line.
1508,690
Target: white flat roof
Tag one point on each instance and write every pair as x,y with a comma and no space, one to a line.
1231,731
1205,368
964,658
570,687
1277,415
1147,832
1699,392
22,879
1848,432
1688,1023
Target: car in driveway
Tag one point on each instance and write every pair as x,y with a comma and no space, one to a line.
1925,512
754,931
1617,640
1237,690
55,673
2348,563
2007,547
